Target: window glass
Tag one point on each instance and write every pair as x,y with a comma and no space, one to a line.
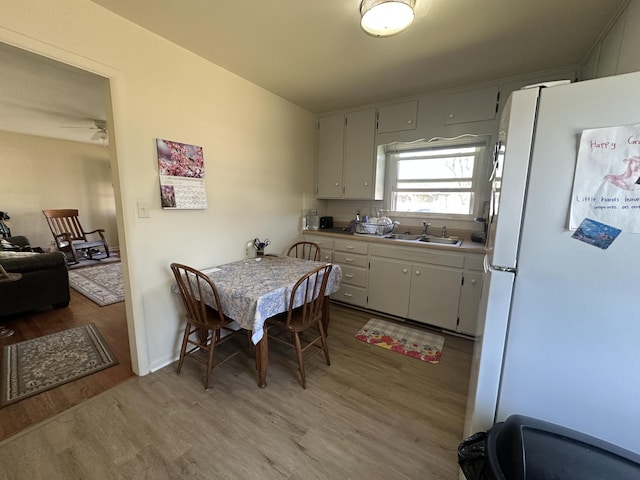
435,179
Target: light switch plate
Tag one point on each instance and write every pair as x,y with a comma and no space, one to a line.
143,210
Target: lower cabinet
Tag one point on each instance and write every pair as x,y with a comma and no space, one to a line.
352,258
421,292
428,286
434,287
389,284
434,295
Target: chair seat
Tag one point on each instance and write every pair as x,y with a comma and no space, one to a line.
295,325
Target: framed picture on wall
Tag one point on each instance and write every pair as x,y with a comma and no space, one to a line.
181,170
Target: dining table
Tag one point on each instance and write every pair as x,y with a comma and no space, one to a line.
254,289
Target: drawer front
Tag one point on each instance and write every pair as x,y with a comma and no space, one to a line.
423,255
475,262
354,275
326,255
350,246
325,243
353,295
343,258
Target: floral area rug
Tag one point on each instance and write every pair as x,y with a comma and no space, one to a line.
100,283
409,341
43,363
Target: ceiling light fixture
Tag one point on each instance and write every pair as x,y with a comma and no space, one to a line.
384,18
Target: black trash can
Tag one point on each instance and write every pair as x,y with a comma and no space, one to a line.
525,448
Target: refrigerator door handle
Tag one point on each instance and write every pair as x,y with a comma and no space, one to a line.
496,268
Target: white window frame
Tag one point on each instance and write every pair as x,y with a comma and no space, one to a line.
479,180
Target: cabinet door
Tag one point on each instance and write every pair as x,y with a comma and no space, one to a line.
397,117
359,156
330,156
469,301
471,106
389,282
435,292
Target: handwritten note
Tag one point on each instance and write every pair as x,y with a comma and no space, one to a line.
606,184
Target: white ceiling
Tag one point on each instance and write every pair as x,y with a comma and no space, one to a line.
39,96
313,52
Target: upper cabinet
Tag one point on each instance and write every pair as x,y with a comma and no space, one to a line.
397,117
347,164
330,156
471,106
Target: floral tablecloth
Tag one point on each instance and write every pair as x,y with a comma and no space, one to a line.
255,289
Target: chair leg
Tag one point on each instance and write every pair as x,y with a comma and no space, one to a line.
212,345
296,338
323,339
185,339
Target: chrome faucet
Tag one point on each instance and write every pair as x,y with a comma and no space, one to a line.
425,228
444,232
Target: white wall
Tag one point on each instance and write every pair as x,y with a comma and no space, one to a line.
259,152
39,173
617,52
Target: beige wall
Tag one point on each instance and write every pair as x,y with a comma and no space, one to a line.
40,173
259,154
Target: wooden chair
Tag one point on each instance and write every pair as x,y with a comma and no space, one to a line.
305,250
310,290
70,237
205,322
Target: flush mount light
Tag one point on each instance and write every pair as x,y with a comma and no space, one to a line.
383,18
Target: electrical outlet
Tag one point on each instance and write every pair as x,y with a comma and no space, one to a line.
247,249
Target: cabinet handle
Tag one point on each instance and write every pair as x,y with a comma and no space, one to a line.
347,259
473,281
348,294
337,184
366,184
349,247
348,275
404,270
417,272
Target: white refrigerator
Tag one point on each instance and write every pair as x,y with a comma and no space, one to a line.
559,318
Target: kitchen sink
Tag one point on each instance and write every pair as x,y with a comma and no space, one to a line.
402,236
442,240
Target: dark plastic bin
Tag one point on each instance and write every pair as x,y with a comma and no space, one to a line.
524,448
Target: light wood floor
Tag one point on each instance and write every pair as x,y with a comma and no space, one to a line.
373,414
112,324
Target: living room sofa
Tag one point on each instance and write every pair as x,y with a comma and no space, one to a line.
44,282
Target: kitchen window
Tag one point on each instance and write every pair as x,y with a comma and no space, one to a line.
440,178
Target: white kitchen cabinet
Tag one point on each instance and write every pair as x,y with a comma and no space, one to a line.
325,244
353,260
434,295
330,156
437,288
471,106
347,163
389,285
397,117
470,294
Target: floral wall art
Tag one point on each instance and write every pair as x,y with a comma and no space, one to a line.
181,170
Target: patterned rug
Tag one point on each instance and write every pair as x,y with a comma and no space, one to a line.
402,339
100,283
40,364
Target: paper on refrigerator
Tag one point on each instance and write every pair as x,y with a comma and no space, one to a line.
606,185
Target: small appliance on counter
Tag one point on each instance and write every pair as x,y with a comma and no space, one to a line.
326,222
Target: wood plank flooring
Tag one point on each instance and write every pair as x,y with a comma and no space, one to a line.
112,324
372,414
